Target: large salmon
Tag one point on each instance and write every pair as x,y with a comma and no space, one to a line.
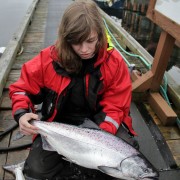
90,147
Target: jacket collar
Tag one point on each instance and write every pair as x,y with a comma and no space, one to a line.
102,56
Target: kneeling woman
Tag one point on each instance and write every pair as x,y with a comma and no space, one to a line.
79,77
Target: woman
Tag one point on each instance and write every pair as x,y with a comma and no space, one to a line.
79,77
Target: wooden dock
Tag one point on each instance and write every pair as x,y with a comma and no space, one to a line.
29,44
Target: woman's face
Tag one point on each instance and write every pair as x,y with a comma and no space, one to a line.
87,48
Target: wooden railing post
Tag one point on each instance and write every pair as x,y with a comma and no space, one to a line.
161,58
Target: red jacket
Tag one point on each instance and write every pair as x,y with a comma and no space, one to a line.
109,98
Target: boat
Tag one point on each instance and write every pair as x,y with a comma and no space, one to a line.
112,7
2,49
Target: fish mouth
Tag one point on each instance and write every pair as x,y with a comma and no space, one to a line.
149,177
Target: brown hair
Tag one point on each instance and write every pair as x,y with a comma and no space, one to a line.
79,20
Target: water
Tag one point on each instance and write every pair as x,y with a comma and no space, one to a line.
11,15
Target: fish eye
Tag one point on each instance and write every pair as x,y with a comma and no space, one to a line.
145,169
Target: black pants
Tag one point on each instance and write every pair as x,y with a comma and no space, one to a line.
42,164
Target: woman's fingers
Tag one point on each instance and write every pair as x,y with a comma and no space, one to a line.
25,127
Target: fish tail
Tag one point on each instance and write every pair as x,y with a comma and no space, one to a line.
13,167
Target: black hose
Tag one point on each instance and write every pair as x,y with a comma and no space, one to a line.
5,149
8,130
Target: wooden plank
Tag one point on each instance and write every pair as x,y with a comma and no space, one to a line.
162,55
39,22
20,60
163,52
11,50
5,101
143,83
162,109
13,77
3,156
6,121
25,56
37,26
135,75
34,47
6,124
14,74
37,37
15,157
170,132
174,146
5,115
153,114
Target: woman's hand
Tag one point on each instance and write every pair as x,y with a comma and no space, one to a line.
25,127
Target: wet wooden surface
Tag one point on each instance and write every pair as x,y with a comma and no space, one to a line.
31,45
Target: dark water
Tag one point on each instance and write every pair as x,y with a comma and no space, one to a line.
11,15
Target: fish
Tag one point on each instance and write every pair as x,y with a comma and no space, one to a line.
90,147
16,169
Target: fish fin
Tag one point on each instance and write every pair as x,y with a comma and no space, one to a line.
70,160
89,124
64,158
112,171
18,136
45,144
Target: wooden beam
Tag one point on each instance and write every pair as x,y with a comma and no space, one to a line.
143,83
161,58
162,109
135,75
153,78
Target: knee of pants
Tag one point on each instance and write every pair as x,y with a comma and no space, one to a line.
31,171
41,163
41,169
